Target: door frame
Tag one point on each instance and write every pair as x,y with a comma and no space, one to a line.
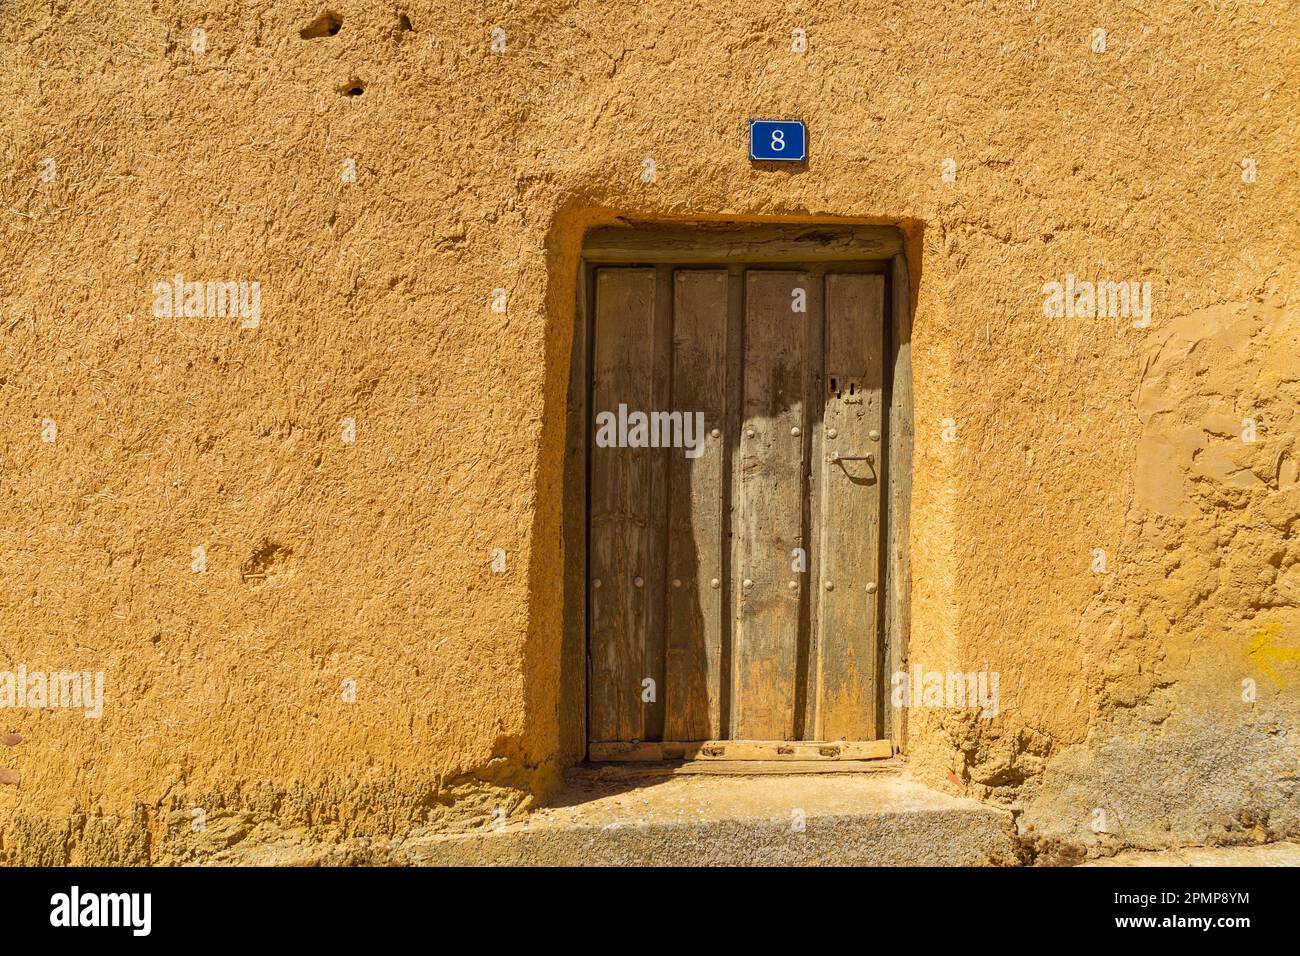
817,247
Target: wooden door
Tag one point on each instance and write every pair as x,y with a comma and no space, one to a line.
735,507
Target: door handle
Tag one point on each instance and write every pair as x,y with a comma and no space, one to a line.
835,456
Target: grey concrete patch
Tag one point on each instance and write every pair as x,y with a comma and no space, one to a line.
1202,780
1270,854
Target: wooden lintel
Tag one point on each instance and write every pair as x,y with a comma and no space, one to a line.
787,244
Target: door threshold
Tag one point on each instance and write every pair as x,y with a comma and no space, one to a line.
710,750
627,772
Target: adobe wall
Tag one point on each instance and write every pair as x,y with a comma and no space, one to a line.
347,664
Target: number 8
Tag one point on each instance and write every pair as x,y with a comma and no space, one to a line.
778,140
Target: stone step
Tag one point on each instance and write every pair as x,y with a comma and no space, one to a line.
833,819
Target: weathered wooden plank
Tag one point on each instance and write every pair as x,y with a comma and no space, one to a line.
721,244
848,607
697,499
621,528
650,750
814,402
619,771
770,491
727,750
898,600
795,750
762,768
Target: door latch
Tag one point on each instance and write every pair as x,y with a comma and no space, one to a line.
835,456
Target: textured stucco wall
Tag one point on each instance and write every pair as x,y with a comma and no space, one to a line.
369,561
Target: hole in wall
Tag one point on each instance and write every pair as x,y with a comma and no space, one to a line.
352,88
264,563
325,25
404,23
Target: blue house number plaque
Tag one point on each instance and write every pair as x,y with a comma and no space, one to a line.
778,140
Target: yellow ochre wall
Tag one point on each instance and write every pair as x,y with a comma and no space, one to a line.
370,562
